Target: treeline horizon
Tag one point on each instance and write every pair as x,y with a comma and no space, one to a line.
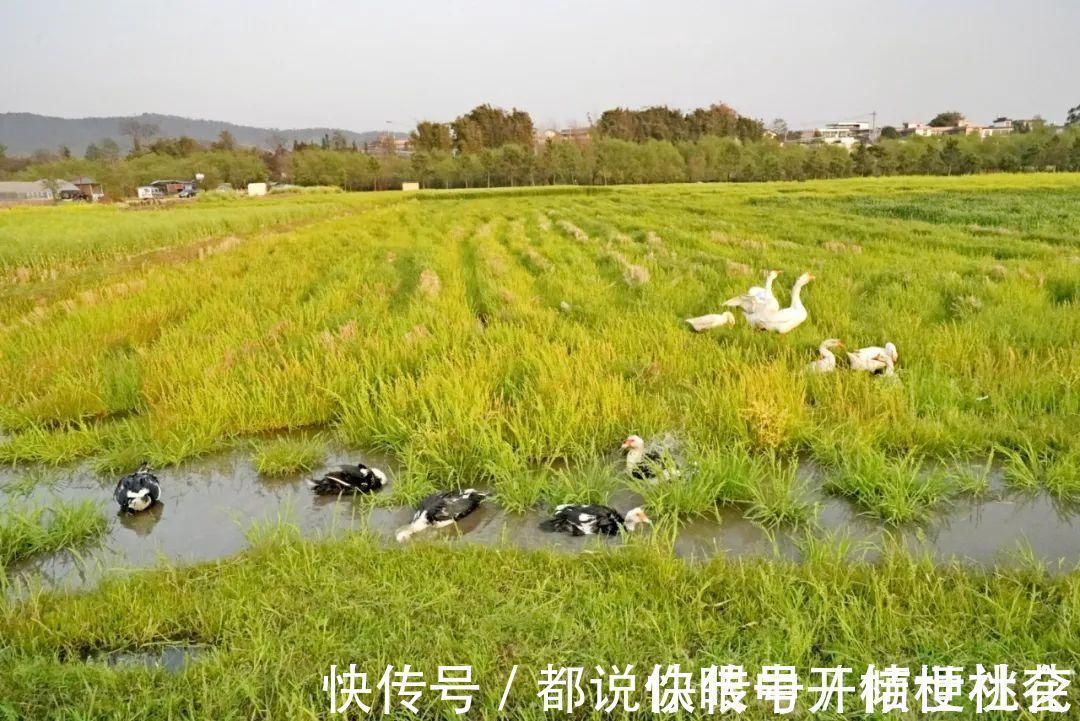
493,147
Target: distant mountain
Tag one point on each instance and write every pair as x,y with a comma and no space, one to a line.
23,133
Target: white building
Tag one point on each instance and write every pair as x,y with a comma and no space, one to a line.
37,191
844,134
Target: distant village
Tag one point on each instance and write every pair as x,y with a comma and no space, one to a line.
848,135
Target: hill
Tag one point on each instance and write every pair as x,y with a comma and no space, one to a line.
24,133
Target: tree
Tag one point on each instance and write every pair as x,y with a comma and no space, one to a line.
93,152
1027,126
561,161
660,122
618,123
488,127
948,119
225,141
276,141
138,132
779,128
3,151
65,152
890,133
110,151
516,162
431,136
52,186
718,119
1073,118
338,141
749,129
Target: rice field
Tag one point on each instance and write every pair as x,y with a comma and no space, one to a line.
497,338
511,340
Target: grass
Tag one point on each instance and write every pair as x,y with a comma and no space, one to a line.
285,623
511,341
478,338
284,456
28,532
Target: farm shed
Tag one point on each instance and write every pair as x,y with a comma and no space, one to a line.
35,191
90,188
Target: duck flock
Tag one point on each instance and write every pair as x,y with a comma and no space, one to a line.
762,311
139,491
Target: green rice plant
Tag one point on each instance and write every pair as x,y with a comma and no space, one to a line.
530,608
427,329
285,456
61,525
968,479
1024,466
779,498
1063,475
895,490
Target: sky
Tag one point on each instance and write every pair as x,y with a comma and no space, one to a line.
378,65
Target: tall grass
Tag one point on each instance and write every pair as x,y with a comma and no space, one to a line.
273,621
288,455
482,338
29,531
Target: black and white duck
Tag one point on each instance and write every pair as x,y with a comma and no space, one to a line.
441,509
645,464
356,478
588,520
137,491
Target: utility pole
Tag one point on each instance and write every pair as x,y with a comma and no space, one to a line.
873,123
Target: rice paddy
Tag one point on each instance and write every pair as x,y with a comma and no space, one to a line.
511,341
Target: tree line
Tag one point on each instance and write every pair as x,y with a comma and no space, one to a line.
490,147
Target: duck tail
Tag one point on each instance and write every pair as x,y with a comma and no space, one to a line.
406,532
322,487
549,526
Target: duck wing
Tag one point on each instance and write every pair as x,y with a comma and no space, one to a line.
707,322
609,522
573,519
356,478
450,505
763,300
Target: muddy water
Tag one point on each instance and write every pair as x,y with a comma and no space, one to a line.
210,506
172,658
207,509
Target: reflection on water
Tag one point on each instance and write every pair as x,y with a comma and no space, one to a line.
172,658
209,505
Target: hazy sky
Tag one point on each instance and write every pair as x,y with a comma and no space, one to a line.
359,64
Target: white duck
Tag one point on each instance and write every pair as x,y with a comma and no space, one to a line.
875,359
827,362
757,302
714,320
790,318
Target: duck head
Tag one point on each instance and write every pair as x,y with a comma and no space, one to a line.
832,343
635,518
633,443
